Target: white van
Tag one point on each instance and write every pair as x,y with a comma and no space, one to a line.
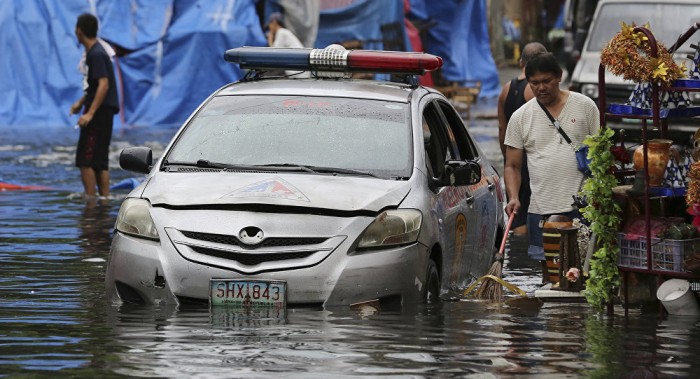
667,20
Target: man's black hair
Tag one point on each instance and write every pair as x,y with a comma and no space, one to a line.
543,63
87,23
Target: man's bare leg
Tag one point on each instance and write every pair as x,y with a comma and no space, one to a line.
87,175
103,182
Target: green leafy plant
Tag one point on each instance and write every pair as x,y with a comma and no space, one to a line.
603,213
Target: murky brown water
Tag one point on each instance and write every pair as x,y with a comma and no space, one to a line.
54,321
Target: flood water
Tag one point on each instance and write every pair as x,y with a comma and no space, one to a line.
55,322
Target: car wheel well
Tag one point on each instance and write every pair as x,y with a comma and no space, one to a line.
436,256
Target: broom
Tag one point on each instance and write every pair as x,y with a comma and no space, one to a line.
492,288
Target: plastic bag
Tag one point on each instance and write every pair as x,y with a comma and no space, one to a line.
582,160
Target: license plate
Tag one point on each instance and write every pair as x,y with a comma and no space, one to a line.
248,293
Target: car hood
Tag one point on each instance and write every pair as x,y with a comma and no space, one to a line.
341,193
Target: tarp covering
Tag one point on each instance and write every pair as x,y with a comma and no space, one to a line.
358,20
301,17
175,57
461,38
170,52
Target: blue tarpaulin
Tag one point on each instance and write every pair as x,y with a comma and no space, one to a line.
174,56
170,52
361,20
460,36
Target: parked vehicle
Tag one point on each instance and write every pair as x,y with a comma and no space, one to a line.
326,191
667,20
578,15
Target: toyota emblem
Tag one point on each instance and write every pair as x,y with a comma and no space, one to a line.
251,235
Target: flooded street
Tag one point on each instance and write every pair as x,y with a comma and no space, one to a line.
55,322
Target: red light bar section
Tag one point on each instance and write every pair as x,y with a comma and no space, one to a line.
392,62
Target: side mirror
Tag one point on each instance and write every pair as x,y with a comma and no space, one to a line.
136,159
462,173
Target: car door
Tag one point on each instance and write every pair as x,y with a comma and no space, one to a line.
452,204
482,205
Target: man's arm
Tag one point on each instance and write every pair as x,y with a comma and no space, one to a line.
513,165
100,95
75,108
502,122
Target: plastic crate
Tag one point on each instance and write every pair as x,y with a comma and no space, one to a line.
667,254
633,253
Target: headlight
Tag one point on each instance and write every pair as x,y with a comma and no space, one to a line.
590,90
394,227
135,219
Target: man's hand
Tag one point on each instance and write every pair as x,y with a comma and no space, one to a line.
513,206
75,108
84,120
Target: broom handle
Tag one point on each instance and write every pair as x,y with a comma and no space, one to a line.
505,233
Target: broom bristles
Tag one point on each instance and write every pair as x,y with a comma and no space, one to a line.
491,289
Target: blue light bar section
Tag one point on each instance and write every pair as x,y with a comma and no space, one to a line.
270,57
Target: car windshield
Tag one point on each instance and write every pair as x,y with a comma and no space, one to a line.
366,136
666,20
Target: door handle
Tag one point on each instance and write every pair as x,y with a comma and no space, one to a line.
469,200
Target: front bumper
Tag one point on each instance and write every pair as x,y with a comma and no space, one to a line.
331,273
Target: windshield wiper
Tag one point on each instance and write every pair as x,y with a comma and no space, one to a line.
336,170
209,164
203,163
289,167
320,169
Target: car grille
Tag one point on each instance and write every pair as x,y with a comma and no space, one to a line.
249,259
269,242
272,253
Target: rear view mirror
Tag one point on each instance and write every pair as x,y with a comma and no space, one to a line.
462,173
136,159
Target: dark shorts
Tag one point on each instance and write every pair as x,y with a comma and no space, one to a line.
534,230
523,195
93,145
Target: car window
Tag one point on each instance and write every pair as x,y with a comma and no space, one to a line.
460,137
438,147
368,135
666,20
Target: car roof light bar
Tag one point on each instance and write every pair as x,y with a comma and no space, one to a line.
335,59
394,62
269,57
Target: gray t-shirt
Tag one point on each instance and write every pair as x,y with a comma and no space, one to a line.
554,176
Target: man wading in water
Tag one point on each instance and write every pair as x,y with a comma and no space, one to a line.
99,104
554,174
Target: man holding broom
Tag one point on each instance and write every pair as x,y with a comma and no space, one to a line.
554,176
513,95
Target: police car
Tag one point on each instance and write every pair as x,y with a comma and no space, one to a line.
327,191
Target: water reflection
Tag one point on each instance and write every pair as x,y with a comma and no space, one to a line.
55,322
